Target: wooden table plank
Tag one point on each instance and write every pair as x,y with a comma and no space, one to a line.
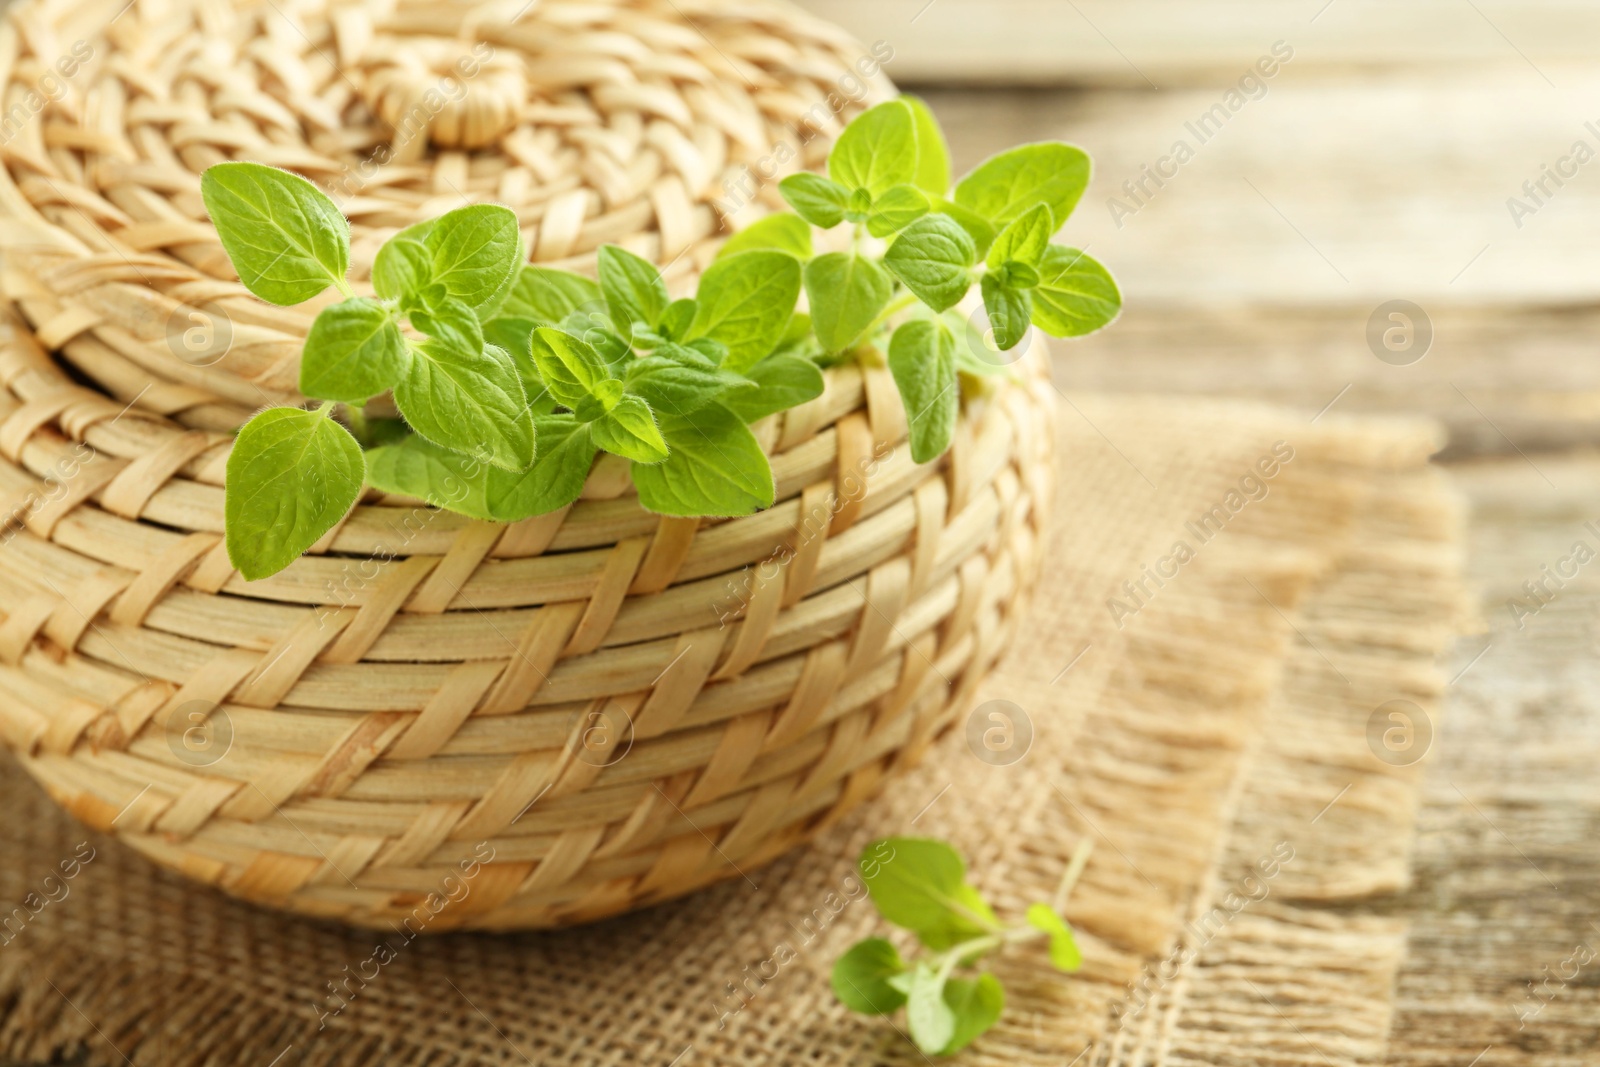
1178,42
1323,193
1508,858
1256,270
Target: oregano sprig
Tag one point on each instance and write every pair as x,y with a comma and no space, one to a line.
510,378
921,885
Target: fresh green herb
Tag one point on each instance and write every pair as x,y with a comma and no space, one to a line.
512,378
896,209
816,199
785,233
286,239
847,291
297,472
922,358
921,885
1004,187
467,401
715,467
934,257
933,155
877,151
1075,294
354,351
633,288
745,302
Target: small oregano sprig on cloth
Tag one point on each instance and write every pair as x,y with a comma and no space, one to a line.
921,885
510,379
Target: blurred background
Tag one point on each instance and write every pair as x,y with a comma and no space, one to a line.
1398,220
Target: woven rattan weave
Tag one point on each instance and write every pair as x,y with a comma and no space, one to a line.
430,720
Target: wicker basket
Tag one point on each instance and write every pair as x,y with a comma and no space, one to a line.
428,720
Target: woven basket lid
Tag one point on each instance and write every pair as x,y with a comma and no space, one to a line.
647,124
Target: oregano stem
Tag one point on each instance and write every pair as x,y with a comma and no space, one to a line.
356,416
893,308
1069,877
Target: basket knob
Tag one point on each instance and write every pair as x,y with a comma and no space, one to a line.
450,93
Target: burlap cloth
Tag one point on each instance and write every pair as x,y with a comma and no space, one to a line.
1205,724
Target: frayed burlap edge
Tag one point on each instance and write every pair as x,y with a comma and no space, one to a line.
1275,962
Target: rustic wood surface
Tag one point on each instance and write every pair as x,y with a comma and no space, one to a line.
1150,43
1505,945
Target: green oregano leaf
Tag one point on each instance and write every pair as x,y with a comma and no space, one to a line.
1018,275
860,204
896,209
472,402
816,199
877,150
1064,953
539,296
566,454
975,353
846,292
676,319
860,977
980,229
933,155
633,288
922,887
452,321
797,335
292,475
628,429
1024,239
286,239
677,380
716,468
571,369
417,467
931,1021
1075,294
922,358
934,257
353,352
547,295
476,251
975,1005
1006,185
593,328
745,302
373,431
1009,311
780,232
403,266
782,381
